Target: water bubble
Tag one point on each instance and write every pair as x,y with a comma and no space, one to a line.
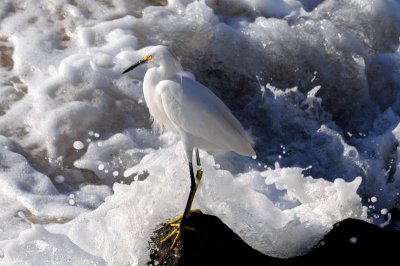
254,157
71,202
101,167
96,135
78,145
115,173
374,199
384,211
59,179
353,240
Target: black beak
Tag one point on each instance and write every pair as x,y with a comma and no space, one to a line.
135,65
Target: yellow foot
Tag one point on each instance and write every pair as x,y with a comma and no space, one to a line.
179,217
177,232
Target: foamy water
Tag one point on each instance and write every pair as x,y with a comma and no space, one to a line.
84,180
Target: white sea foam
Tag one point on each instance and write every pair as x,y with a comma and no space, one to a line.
316,83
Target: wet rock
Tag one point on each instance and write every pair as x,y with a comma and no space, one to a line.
213,243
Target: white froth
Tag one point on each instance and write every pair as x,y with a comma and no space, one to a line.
293,206
315,82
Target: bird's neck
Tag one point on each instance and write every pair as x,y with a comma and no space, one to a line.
156,74
152,77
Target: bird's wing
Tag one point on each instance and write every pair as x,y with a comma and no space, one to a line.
193,108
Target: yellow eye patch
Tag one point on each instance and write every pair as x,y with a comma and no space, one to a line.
148,57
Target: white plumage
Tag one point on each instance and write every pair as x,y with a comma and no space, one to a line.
192,110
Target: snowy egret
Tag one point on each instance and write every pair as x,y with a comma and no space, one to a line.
185,106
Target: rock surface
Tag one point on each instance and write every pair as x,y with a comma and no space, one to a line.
213,243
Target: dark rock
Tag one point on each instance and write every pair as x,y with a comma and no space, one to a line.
355,240
213,243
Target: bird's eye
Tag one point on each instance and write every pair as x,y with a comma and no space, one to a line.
148,57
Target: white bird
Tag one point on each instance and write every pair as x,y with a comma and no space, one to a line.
187,107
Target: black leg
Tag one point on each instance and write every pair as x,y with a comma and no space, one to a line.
191,196
199,172
193,188
198,157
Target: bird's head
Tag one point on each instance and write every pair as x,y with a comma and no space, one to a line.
157,56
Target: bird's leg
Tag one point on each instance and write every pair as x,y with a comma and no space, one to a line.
198,158
199,173
191,196
193,188
181,225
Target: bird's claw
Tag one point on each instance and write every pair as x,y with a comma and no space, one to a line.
179,217
177,232
185,227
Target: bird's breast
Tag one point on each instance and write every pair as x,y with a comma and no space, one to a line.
154,103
